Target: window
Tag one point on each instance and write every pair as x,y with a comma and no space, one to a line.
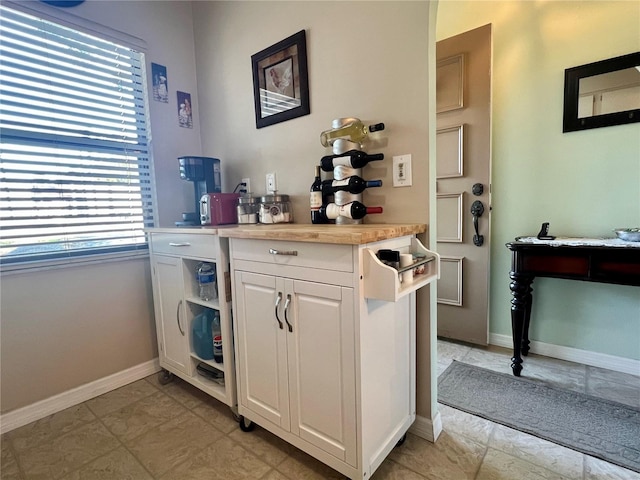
75,174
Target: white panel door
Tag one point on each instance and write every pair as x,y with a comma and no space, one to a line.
171,321
262,362
322,366
463,172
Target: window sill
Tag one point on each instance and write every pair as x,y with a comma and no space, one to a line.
57,263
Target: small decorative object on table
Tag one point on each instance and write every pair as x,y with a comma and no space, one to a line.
628,234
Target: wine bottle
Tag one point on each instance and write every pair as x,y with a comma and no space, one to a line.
354,210
352,158
354,130
353,184
315,199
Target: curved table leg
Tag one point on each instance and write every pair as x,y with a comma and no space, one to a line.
520,315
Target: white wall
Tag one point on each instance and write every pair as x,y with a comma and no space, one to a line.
66,327
371,68
584,183
367,60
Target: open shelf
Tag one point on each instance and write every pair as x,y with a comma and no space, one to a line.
382,282
213,304
211,363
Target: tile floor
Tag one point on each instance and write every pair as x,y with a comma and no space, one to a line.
148,431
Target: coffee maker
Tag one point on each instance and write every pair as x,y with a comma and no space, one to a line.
204,172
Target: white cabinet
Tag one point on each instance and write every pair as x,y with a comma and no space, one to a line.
322,361
175,256
173,344
297,370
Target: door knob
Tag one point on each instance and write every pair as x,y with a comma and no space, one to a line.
477,209
477,189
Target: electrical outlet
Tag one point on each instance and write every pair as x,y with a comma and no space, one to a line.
402,171
271,182
247,184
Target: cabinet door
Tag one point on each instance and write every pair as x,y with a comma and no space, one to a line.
322,366
170,313
261,346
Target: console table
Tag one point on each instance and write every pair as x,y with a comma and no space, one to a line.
594,260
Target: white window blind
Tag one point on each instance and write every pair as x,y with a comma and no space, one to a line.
75,173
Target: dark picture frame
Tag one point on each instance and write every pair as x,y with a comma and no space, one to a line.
281,81
571,120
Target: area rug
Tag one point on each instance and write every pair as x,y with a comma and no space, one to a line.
587,424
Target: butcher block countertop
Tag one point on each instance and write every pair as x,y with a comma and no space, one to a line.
337,234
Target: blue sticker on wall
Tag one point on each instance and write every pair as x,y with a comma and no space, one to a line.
63,3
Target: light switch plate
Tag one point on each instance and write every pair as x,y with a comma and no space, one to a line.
402,171
271,184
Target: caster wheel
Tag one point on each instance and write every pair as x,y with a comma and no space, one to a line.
165,377
246,425
402,439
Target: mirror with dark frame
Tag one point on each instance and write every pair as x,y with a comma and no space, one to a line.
602,94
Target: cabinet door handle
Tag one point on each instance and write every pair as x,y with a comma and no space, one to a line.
178,317
278,303
286,308
179,244
273,251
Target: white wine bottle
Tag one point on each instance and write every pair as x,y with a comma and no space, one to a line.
354,130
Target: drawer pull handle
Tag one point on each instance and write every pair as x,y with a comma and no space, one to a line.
286,308
273,251
179,244
278,303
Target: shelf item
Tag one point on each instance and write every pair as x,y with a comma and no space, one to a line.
174,260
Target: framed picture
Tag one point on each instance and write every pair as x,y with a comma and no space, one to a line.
185,118
160,83
280,81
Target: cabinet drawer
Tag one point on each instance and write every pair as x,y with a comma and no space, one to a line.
185,245
314,255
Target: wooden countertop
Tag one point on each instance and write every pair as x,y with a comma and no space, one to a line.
340,234
337,234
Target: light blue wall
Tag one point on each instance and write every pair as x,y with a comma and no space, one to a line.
584,183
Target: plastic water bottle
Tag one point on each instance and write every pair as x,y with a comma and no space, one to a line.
217,338
207,281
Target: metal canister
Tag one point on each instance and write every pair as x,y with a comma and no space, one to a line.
247,210
275,208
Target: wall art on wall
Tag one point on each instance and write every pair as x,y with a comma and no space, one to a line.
185,119
160,83
280,81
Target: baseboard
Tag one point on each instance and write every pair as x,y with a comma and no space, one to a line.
594,359
428,429
22,416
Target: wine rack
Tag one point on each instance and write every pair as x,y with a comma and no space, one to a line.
341,146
